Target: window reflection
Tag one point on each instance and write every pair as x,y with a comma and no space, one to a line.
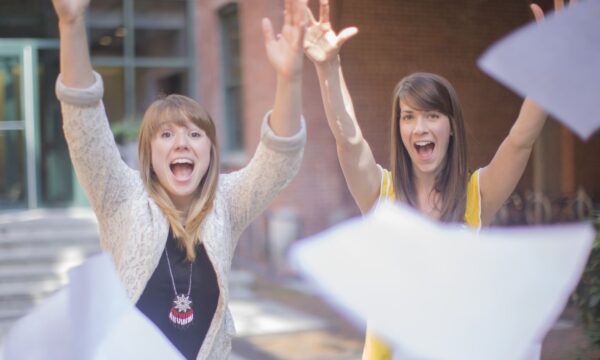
10,89
151,83
107,28
160,28
12,168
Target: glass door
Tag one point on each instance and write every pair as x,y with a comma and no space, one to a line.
17,133
57,184
35,169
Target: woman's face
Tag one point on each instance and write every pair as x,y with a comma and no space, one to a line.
425,135
180,159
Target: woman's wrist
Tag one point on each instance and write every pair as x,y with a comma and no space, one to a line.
328,66
70,22
287,80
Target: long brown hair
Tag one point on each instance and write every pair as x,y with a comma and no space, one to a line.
428,92
177,109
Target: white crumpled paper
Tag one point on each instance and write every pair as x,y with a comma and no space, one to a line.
439,291
91,318
556,63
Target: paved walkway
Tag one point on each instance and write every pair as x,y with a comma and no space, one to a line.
289,321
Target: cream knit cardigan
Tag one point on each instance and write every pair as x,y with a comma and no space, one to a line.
132,227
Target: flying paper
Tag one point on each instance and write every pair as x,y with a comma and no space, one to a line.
439,291
555,62
91,318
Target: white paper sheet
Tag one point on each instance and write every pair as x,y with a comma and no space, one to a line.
556,63
91,318
445,292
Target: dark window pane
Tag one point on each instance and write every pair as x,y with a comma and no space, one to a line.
160,28
10,88
230,49
107,28
27,19
114,92
12,168
56,172
151,83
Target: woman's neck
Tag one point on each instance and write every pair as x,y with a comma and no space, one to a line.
182,206
429,201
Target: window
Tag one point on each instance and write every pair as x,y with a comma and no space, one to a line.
143,49
230,45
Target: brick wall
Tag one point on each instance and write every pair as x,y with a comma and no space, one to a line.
396,38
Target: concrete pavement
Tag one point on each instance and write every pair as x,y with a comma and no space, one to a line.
282,319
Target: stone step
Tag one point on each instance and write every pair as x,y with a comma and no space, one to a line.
13,313
30,291
48,254
45,219
13,272
4,329
20,303
36,226
56,236
32,276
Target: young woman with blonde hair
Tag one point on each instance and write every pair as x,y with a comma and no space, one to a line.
172,227
428,154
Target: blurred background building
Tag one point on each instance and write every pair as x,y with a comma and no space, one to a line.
213,51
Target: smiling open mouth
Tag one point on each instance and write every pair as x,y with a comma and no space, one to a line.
424,148
182,168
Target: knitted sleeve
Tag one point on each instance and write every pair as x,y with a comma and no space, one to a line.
250,190
107,181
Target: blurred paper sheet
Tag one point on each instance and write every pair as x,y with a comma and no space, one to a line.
556,63
445,292
91,318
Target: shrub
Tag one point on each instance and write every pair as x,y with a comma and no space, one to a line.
587,294
126,131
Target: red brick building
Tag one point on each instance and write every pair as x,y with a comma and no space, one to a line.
395,38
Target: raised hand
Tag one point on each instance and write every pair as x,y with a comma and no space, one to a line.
68,11
321,43
285,49
538,13
75,66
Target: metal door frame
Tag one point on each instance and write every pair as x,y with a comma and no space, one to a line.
27,51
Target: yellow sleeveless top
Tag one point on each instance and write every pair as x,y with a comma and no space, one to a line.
376,349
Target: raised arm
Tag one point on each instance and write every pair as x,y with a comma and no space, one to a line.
285,54
75,65
283,135
107,181
500,177
360,169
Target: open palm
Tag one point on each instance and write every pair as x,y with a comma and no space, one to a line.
321,43
70,10
285,49
538,13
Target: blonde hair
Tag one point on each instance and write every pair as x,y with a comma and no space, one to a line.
427,92
178,109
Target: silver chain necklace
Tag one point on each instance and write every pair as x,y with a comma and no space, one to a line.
182,313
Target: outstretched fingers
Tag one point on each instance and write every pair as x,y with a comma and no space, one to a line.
559,5
345,35
310,18
268,33
287,12
324,11
299,17
538,13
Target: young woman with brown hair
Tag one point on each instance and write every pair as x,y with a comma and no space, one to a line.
172,227
428,154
